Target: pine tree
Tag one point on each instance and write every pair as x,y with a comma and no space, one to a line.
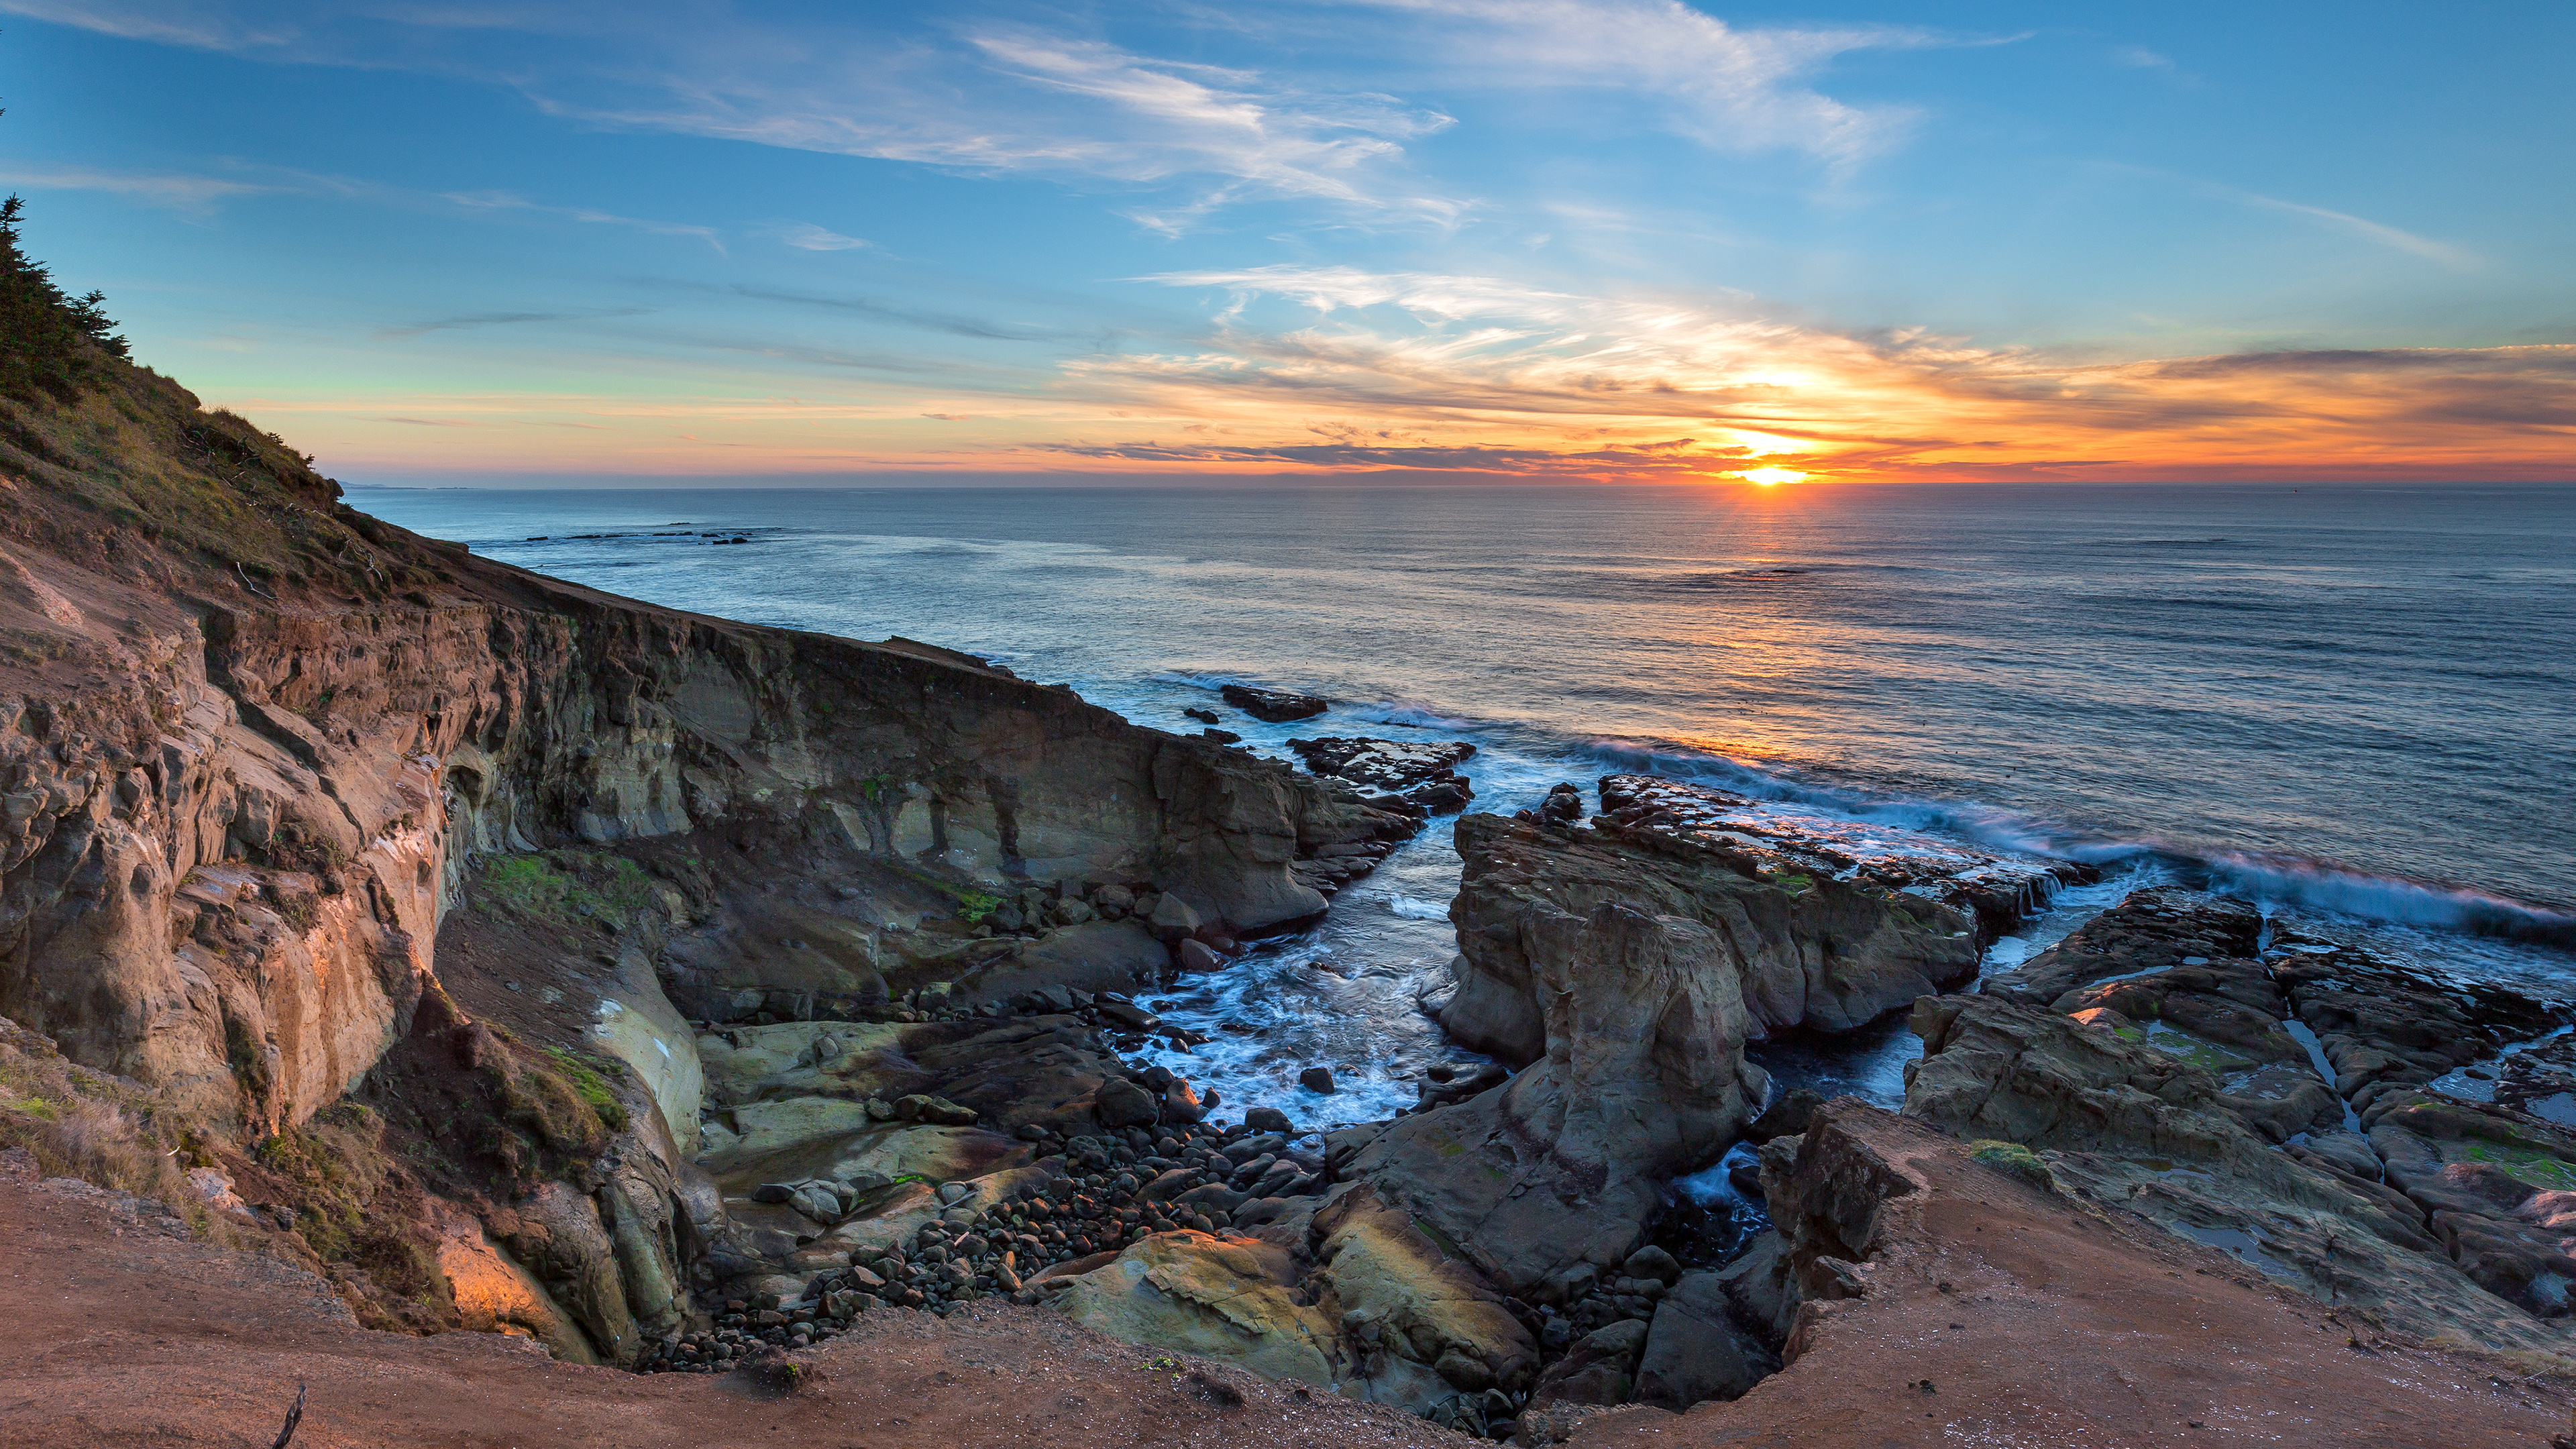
49,341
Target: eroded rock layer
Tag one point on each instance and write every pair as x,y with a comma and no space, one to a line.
256,747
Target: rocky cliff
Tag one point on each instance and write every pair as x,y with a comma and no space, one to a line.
253,744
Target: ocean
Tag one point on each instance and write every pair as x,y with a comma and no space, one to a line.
2350,702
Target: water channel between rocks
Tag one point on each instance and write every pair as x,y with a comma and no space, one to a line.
1346,995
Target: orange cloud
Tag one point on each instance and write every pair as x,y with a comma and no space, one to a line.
1472,376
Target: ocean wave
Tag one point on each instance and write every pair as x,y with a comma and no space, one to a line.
1729,578
1413,910
2317,886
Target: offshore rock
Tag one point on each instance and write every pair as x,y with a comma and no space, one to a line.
1278,706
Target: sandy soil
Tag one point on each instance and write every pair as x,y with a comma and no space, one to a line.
120,1332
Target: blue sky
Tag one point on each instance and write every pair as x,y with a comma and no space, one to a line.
1598,238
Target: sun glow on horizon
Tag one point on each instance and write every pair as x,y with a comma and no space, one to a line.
1771,477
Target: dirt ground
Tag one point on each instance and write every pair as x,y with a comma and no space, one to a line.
2012,1320
119,1332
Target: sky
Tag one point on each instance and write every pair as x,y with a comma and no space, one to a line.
473,242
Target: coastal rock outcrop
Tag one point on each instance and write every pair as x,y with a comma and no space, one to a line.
1391,765
2127,1124
1423,772
1625,968
1994,888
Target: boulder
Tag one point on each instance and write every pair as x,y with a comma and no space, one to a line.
1601,1367
1317,1079
1122,1103
1182,1104
1222,1298
1694,1351
1172,918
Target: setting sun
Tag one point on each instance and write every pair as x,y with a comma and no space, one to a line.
1769,477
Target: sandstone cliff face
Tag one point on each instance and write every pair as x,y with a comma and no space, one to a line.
251,742
248,736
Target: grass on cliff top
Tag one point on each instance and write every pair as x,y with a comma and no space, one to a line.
114,463
566,885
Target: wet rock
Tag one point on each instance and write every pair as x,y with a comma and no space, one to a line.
1434,1091
1393,765
1195,955
1993,889
1277,706
1563,805
1182,1104
1204,716
1128,1015
1317,1079
1444,796
2500,1190
2148,931
1787,1116
2384,1024
1267,1119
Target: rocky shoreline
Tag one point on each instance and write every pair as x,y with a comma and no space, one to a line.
677,994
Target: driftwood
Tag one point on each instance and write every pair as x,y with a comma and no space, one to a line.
294,1416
